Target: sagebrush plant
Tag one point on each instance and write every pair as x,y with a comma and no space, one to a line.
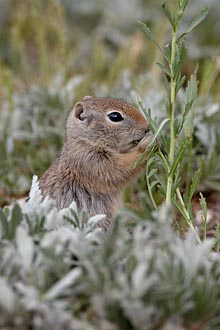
179,140
58,270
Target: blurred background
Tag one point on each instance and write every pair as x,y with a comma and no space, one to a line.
53,52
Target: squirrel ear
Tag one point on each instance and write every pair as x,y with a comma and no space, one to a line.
87,97
78,111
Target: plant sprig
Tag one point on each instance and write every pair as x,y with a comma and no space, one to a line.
180,132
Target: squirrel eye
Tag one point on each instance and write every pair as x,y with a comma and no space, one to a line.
115,116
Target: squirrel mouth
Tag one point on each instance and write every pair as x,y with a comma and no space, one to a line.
136,141
129,146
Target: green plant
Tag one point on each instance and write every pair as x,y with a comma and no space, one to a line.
173,148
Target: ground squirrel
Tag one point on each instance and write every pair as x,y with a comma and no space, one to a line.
104,139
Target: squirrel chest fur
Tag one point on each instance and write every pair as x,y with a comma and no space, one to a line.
104,139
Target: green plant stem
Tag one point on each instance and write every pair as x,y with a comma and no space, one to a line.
172,117
186,215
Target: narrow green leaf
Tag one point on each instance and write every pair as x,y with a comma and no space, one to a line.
179,156
172,18
147,112
167,51
168,108
163,161
152,172
182,4
150,35
152,122
153,184
203,205
4,223
180,57
160,162
194,184
166,83
157,132
177,180
188,126
162,188
178,207
196,21
150,187
180,83
164,69
151,161
191,90
191,94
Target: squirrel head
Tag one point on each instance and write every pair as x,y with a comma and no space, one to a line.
106,123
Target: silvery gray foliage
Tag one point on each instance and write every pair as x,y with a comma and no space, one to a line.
39,246
24,120
104,19
31,120
59,270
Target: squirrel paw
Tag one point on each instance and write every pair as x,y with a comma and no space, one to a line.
143,144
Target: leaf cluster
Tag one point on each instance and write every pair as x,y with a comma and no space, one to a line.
59,270
173,147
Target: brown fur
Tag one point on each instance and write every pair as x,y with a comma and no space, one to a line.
98,157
